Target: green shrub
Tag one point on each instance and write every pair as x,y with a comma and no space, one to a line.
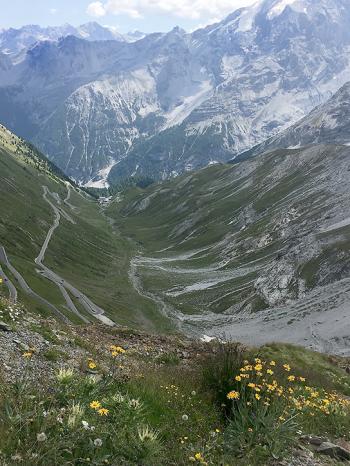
217,371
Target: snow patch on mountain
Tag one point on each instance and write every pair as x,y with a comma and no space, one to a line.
281,5
100,180
188,104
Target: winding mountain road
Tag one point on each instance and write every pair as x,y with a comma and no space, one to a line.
26,288
11,287
62,284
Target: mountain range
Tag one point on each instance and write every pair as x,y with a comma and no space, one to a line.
177,101
257,249
14,41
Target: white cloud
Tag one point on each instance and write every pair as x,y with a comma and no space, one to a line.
190,9
53,11
96,9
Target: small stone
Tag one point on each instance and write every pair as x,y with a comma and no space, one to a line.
4,327
21,345
313,440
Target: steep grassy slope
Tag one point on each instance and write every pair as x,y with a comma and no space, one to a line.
234,240
83,249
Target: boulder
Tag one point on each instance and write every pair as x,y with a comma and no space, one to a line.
334,451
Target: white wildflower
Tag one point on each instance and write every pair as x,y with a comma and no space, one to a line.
77,409
41,437
135,404
64,375
98,442
85,425
119,398
146,433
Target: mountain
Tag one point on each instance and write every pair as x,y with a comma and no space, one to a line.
328,124
60,254
256,251
172,102
133,36
14,41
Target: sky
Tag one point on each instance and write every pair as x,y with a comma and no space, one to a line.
124,15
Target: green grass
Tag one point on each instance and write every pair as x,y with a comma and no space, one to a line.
45,332
90,254
320,368
54,355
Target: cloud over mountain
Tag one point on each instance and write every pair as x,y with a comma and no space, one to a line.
182,8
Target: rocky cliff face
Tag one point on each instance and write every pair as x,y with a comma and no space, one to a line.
177,101
328,123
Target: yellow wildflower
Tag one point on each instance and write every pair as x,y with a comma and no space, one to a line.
233,395
27,354
291,378
286,367
257,396
92,365
269,371
117,350
272,363
238,378
95,405
103,412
